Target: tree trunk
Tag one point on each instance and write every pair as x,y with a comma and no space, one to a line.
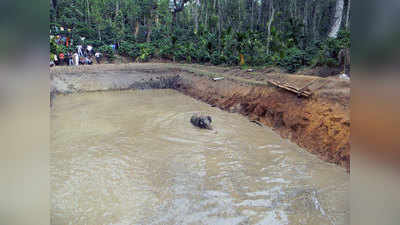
137,28
337,19
150,24
116,8
220,18
263,15
99,33
271,19
206,14
196,16
259,15
305,22
219,24
314,32
348,15
173,21
54,5
291,9
149,29
252,15
239,23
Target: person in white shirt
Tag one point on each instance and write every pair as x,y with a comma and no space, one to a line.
76,59
55,60
97,55
89,50
79,48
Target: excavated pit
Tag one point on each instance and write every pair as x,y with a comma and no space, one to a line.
320,126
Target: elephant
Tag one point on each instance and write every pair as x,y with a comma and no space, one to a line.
203,122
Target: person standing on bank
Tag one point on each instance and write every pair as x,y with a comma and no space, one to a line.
89,49
76,59
61,58
79,48
70,60
97,55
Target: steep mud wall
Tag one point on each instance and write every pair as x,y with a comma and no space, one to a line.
320,127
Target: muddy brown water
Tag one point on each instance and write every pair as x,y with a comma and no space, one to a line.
133,157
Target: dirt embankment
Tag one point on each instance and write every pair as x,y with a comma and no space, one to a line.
320,124
320,127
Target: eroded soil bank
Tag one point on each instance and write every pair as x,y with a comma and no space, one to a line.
320,124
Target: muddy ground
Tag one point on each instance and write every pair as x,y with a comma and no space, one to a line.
320,123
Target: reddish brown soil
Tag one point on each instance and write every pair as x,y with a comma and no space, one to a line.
320,127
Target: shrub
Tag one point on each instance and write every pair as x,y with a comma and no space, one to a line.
326,53
107,51
61,49
144,52
217,58
95,43
53,46
290,49
127,49
164,48
293,59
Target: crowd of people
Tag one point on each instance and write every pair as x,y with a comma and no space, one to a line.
80,55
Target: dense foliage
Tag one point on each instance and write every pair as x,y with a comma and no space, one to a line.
288,33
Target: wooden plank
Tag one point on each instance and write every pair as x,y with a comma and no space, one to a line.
307,85
290,88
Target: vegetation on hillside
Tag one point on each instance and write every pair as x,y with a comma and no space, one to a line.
287,33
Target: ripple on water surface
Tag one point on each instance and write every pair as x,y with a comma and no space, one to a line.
132,157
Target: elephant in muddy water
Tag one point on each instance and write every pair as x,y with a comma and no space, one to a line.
203,122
